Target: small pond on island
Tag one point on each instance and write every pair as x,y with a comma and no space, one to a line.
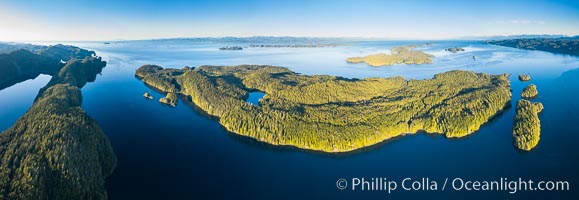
254,97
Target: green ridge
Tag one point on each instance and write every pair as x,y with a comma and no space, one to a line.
526,125
335,114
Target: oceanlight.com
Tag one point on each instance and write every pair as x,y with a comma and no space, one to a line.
456,184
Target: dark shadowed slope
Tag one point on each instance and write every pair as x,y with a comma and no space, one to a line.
18,65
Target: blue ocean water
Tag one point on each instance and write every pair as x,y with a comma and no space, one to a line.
181,153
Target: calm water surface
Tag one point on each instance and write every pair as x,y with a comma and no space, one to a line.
180,153
254,97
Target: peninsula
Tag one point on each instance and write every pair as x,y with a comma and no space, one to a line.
170,99
55,150
335,114
20,63
398,55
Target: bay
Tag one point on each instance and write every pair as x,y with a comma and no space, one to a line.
181,153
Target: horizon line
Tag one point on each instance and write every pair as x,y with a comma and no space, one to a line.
287,36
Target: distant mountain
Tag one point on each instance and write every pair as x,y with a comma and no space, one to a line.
563,45
259,40
7,47
508,37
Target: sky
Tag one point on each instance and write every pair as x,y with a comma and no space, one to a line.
76,20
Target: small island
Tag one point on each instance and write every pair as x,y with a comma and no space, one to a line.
524,77
530,92
526,125
334,114
233,48
148,96
398,55
454,49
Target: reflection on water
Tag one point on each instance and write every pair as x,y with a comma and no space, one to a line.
180,153
16,99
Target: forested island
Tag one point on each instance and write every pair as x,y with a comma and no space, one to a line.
398,55
55,150
335,114
564,45
232,48
148,96
526,125
530,92
454,49
524,77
